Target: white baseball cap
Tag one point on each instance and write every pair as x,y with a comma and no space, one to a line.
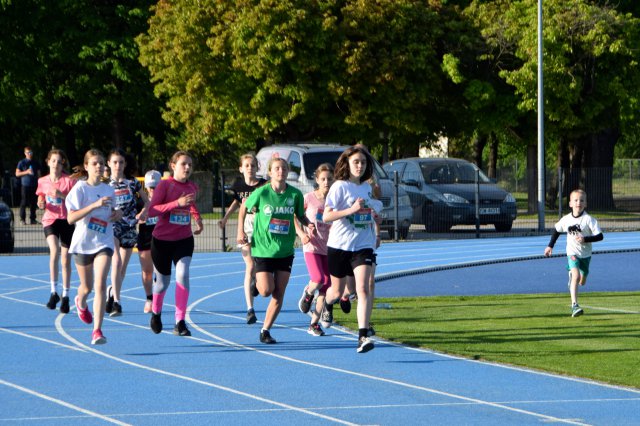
152,178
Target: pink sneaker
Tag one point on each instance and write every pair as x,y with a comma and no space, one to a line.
84,314
147,307
97,338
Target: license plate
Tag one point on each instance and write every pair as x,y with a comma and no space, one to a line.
489,210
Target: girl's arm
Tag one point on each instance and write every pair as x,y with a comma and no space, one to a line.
304,237
241,237
331,215
232,208
193,209
145,199
74,216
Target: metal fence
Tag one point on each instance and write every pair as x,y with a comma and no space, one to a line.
623,214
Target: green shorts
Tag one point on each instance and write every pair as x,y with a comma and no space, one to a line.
582,263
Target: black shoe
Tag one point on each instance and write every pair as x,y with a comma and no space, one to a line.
251,316
371,331
156,323
345,305
109,306
117,310
64,306
364,345
265,337
254,287
53,300
304,304
181,329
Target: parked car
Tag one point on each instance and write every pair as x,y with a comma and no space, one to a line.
6,228
443,191
305,158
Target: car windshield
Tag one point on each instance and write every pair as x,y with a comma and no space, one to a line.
451,172
313,159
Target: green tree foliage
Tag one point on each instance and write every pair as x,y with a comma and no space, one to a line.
242,71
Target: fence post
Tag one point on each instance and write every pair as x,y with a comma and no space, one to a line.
477,203
560,186
396,228
222,204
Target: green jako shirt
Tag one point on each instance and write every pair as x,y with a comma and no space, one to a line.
274,232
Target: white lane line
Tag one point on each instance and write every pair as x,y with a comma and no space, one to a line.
368,376
620,311
62,332
93,414
30,336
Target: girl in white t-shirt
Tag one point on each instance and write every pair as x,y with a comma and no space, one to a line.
315,248
90,206
352,209
52,191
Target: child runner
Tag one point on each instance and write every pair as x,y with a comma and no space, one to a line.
582,230
352,239
52,191
126,235
275,206
91,207
315,248
242,188
174,202
145,229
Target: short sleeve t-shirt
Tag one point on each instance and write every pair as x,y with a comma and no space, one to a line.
55,207
357,231
93,232
126,196
314,209
29,181
241,190
584,225
274,232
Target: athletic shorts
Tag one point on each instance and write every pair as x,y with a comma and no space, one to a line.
163,253
87,259
318,267
582,263
144,237
342,263
61,229
273,264
127,235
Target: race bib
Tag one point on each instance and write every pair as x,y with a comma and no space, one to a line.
152,220
180,217
362,218
97,225
123,196
278,226
319,214
54,201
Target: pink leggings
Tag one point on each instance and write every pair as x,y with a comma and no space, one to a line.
318,266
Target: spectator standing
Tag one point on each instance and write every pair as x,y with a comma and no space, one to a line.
28,170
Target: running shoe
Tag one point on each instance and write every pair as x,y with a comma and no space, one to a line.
155,323
265,337
364,345
117,310
326,317
576,310
97,338
181,329
110,300
53,300
251,316
254,287
147,306
345,305
315,330
304,304
84,314
64,306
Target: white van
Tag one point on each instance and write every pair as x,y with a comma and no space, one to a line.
305,158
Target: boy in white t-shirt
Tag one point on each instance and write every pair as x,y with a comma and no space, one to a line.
581,230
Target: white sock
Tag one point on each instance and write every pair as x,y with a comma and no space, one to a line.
54,287
65,292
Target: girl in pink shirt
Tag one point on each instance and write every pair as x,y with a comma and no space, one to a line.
52,191
172,242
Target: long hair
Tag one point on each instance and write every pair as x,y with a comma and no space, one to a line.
63,156
79,172
342,165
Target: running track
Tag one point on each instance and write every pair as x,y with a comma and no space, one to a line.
50,374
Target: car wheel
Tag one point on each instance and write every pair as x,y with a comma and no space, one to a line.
503,226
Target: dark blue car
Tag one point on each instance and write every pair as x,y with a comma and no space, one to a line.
443,194
6,228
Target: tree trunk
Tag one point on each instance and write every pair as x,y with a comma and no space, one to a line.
532,179
599,170
479,142
493,158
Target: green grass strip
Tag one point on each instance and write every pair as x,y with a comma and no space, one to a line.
533,331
